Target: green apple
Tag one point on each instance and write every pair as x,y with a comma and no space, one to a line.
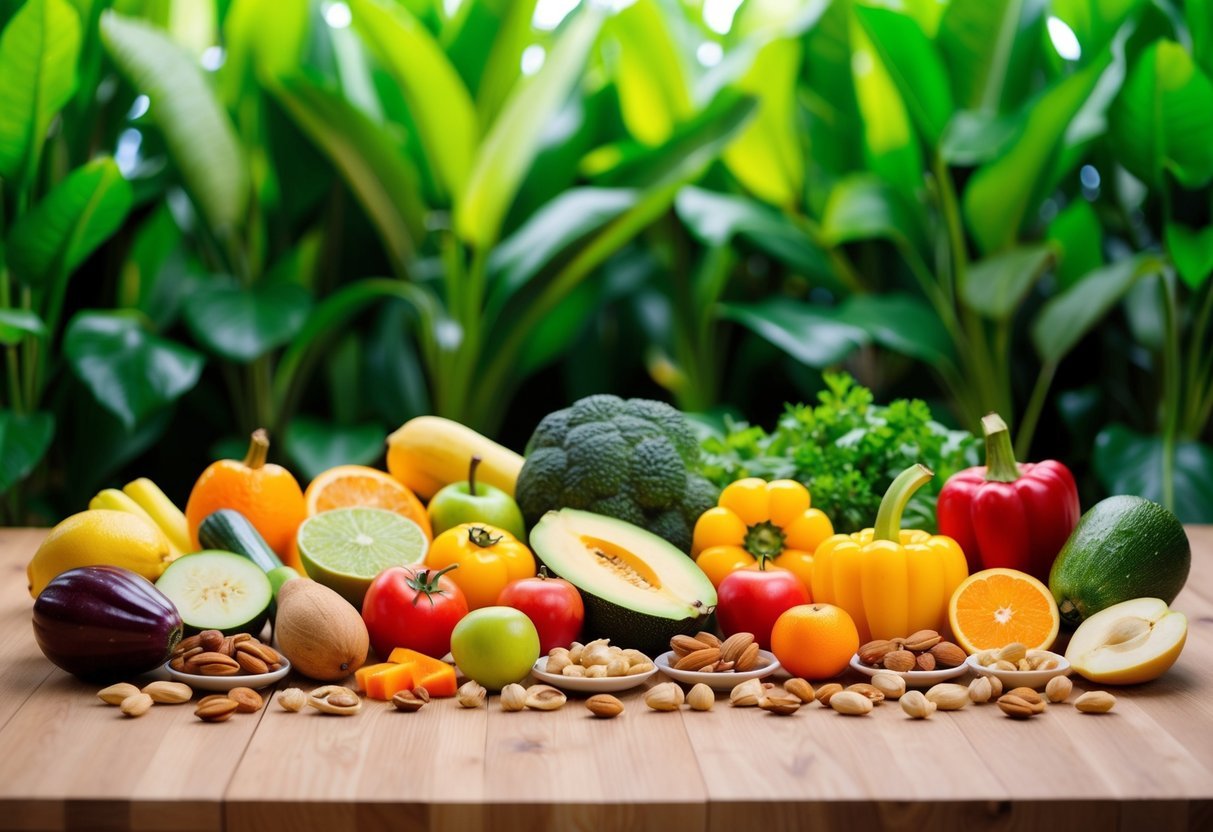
495,646
473,502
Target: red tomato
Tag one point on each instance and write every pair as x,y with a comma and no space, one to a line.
414,607
750,600
553,604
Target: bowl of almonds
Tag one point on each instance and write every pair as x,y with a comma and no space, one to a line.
923,658
721,665
1019,667
212,661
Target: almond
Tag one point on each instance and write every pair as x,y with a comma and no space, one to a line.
749,659
1093,702
1058,689
850,703
801,689
218,709
247,700
890,684
136,705
169,693
708,638
699,660
916,705
949,697
870,691
784,704
683,645
922,640
1012,653
1015,707
873,652
604,706
1027,694
924,661
117,694
948,654
899,661
734,646
210,640
250,664
826,692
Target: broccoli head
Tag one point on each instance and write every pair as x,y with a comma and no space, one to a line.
631,459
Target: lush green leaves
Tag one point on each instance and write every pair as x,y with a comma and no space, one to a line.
1127,462
38,53
996,285
810,335
973,137
902,323
314,446
131,372
649,72
439,103
1163,118
863,207
1079,239
1066,318
888,135
15,324
512,142
195,127
24,438
1192,252
70,222
990,49
243,323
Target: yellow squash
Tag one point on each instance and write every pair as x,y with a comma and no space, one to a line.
429,452
893,582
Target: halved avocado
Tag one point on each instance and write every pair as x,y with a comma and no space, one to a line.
639,591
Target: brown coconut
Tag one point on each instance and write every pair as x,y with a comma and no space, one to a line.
319,631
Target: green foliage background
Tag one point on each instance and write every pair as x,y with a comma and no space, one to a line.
325,218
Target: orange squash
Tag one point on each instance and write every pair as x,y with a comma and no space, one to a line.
363,674
386,683
267,494
435,675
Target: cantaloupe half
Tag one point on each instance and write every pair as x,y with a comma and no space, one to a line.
1128,643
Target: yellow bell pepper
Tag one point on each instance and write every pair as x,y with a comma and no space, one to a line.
756,521
892,581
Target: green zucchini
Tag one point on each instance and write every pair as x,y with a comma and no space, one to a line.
230,531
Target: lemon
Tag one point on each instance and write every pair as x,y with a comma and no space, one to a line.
345,548
100,537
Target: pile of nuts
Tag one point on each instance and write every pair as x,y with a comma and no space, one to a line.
1016,656
211,653
596,660
704,653
219,707
923,650
135,702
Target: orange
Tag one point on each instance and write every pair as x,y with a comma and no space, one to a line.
996,607
815,641
357,485
266,494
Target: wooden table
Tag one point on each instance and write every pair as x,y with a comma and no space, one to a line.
69,762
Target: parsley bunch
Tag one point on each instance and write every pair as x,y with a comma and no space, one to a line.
846,450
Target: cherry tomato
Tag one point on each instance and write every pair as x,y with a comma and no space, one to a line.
553,604
750,600
414,607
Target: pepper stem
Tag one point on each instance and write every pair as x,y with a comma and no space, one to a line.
482,537
1000,455
472,466
258,449
888,519
765,541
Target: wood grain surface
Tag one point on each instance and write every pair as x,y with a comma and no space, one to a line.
69,762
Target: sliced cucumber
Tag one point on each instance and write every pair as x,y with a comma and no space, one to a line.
218,591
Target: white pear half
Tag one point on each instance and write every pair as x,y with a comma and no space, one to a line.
1130,642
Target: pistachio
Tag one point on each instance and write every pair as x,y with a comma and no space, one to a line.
292,699
995,687
916,705
1058,689
117,694
701,698
513,698
604,705
544,698
471,694
1095,702
850,703
411,701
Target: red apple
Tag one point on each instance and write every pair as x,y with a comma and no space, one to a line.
553,605
750,600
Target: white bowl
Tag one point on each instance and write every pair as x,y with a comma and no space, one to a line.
1034,679
583,684
226,683
914,678
717,681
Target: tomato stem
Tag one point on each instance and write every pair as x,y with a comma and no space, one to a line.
425,583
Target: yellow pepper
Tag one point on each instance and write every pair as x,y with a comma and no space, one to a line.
756,521
892,581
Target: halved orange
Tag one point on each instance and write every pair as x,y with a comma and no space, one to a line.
996,607
357,485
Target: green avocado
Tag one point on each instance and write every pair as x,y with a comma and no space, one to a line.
1123,548
639,591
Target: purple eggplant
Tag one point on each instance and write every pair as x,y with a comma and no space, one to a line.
105,622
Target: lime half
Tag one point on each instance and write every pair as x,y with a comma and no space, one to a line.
345,548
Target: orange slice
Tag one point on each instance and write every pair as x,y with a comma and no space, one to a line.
357,485
996,607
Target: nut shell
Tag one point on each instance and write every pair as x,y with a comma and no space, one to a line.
604,706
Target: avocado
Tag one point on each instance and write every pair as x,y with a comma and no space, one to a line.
639,590
1123,548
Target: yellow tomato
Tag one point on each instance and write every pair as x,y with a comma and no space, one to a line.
759,520
488,559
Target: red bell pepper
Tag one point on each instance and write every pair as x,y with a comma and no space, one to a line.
1009,514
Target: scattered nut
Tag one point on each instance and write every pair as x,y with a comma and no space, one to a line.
292,699
949,697
890,684
701,698
1016,707
870,691
117,694
544,698
411,701
136,705
782,704
995,687
1091,702
801,689
247,700
747,694
1027,694
980,690
471,694
916,705
850,703
826,692
513,698
666,696
604,706
215,709
335,699
1058,689
169,693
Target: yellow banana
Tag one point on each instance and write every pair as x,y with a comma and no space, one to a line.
162,510
429,452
